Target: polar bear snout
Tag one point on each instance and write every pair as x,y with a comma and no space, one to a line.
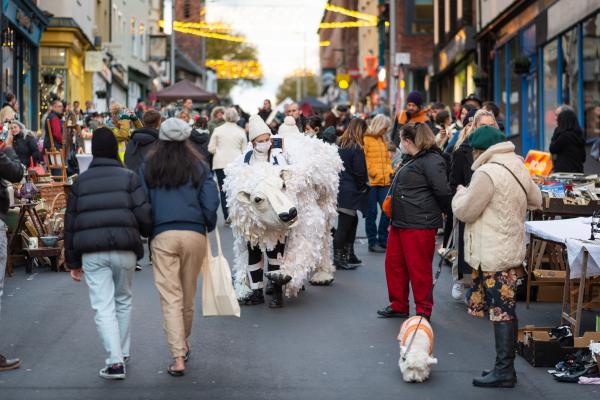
289,215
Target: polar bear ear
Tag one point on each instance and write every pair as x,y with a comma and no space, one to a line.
243,197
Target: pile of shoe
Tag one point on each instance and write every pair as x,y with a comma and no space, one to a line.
575,366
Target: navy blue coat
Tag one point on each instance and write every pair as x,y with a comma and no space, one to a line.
185,208
354,179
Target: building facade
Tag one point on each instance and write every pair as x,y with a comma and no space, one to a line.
21,27
539,55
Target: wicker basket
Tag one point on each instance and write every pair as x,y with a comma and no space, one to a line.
49,193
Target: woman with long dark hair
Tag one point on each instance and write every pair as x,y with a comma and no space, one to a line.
568,144
184,199
353,194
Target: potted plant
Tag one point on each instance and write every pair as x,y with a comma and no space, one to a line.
521,65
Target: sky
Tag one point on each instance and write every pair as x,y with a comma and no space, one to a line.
284,32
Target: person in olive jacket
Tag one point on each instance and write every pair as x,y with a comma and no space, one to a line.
420,194
107,211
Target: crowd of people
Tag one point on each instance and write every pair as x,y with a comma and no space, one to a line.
425,169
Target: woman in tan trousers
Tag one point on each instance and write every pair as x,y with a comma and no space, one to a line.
184,200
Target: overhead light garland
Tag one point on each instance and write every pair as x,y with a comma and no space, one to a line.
364,19
352,13
236,69
197,32
324,43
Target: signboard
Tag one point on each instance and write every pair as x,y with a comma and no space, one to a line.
402,59
158,47
93,61
354,73
539,163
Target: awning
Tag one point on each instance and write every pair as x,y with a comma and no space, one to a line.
185,90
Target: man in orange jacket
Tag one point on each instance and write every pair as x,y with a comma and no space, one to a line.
414,112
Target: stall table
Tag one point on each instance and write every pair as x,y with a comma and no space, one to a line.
583,258
26,209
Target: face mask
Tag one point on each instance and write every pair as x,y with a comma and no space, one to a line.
401,148
263,147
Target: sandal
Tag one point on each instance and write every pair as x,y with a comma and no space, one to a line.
188,353
175,373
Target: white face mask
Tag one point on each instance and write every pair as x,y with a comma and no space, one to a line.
263,147
401,147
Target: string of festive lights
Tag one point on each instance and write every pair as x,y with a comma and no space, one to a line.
324,43
236,69
352,13
211,26
345,24
213,35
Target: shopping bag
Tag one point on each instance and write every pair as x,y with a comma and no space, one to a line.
218,295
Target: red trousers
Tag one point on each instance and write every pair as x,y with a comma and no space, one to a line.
409,258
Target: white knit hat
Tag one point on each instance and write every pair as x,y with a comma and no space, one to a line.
288,127
174,130
257,127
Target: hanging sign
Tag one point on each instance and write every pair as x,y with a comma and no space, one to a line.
539,163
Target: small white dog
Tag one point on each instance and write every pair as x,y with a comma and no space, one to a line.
415,363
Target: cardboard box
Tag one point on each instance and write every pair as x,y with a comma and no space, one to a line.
535,345
549,294
584,341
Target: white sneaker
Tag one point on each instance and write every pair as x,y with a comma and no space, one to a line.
458,291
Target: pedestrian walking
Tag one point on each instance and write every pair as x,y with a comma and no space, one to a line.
460,175
338,117
227,143
379,168
184,202
493,209
266,110
107,211
142,140
54,126
216,118
11,170
25,144
420,194
353,194
567,145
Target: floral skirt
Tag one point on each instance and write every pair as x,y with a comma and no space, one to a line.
495,292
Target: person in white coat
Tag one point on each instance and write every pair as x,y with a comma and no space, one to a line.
227,143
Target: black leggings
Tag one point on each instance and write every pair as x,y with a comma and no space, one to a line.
346,230
255,263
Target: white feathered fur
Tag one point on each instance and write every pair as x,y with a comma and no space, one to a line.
312,185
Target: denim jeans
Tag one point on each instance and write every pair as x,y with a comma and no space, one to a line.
109,274
3,258
374,234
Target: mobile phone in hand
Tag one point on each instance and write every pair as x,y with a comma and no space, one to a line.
277,142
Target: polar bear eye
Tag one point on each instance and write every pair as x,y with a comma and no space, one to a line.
258,200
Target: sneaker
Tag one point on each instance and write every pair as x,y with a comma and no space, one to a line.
376,249
458,291
114,371
138,267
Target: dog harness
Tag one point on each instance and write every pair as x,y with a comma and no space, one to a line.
409,328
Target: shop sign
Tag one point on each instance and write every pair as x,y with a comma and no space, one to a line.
539,163
402,59
24,20
456,47
158,48
93,61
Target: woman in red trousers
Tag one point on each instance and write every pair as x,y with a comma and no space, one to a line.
420,194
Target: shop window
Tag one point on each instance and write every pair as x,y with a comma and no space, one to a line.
8,61
419,17
142,42
515,89
133,35
550,71
501,96
591,76
460,89
570,68
53,56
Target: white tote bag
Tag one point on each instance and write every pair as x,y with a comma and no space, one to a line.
218,296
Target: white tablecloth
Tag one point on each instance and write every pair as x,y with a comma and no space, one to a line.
574,233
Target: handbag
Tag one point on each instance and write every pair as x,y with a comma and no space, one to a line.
386,206
218,295
37,168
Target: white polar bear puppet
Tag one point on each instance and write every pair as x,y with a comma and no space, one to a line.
254,198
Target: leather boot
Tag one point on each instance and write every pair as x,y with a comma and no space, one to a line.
352,259
277,299
340,259
255,298
269,288
504,374
7,364
487,371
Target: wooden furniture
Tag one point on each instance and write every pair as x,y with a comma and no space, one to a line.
536,252
53,253
55,157
26,210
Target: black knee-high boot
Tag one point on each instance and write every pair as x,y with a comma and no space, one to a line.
504,374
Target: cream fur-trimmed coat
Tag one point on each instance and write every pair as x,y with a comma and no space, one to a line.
311,183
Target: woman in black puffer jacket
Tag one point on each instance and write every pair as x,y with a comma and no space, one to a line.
107,211
568,144
420,194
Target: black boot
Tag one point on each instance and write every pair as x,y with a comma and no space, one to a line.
340,259
255,298
277,299
269,288
504,374
352,259
488,371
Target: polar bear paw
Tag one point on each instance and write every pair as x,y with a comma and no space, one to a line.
321,278
278,277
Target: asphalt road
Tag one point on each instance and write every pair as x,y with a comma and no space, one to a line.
326,344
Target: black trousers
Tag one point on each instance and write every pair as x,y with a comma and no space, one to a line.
255,263
345,233
220,173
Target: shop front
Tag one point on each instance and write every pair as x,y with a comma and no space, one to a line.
138,87
62,59
547,58
21,27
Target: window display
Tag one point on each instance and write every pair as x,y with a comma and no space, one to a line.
591,76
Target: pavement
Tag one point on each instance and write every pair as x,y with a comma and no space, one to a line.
327,343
